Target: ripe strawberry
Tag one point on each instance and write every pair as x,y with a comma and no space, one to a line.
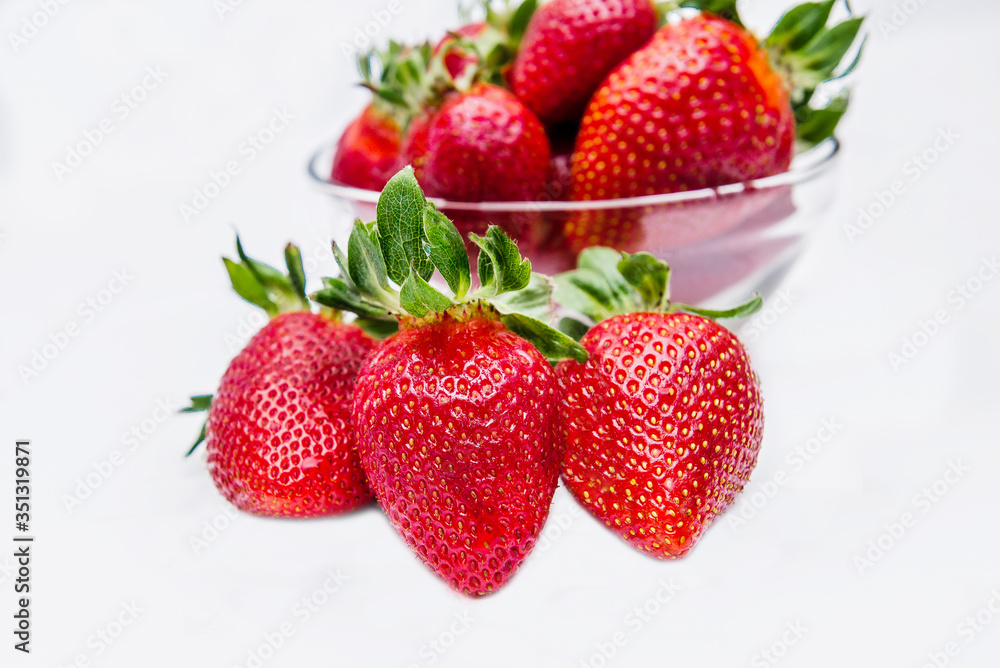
368,152
480,145
703,105
662,425
568,49
279,435
454,414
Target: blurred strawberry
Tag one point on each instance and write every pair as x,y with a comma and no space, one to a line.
368,152
479,145
704,104
570,46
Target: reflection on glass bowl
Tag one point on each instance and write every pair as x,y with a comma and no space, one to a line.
723,243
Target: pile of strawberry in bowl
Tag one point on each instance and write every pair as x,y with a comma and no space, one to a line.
453,373
666,127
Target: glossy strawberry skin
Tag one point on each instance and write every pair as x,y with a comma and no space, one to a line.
699,106
368,152
480,145
568,49
279,435
455,430
661,427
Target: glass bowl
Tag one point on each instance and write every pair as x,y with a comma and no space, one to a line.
723,243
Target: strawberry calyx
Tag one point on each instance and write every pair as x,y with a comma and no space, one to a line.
806,52
199,404
497,45
264,286
385,272
267,287
607,282
405,80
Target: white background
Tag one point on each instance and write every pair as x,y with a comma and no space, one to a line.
164,337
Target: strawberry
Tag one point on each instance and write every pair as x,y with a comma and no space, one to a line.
704,104
279,435
480,145
368,151
570,46
662,424
453,414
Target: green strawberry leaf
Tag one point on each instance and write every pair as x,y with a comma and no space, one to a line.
419,298
519,21
376,328
400,227
199,403
573,328
650,276
339,294
799,25
501,267
596,288
741,311
815,62
296,273
552,343
447,251
248,286
342,262
365,265
263,285
815,125
534,300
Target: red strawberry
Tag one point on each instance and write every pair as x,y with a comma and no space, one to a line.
454,418
279,435
480,145
702,105
454,414
662,425
570,46
368,151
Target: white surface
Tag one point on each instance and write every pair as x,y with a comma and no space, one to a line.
163,337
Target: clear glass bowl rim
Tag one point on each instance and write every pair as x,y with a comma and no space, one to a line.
806,166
